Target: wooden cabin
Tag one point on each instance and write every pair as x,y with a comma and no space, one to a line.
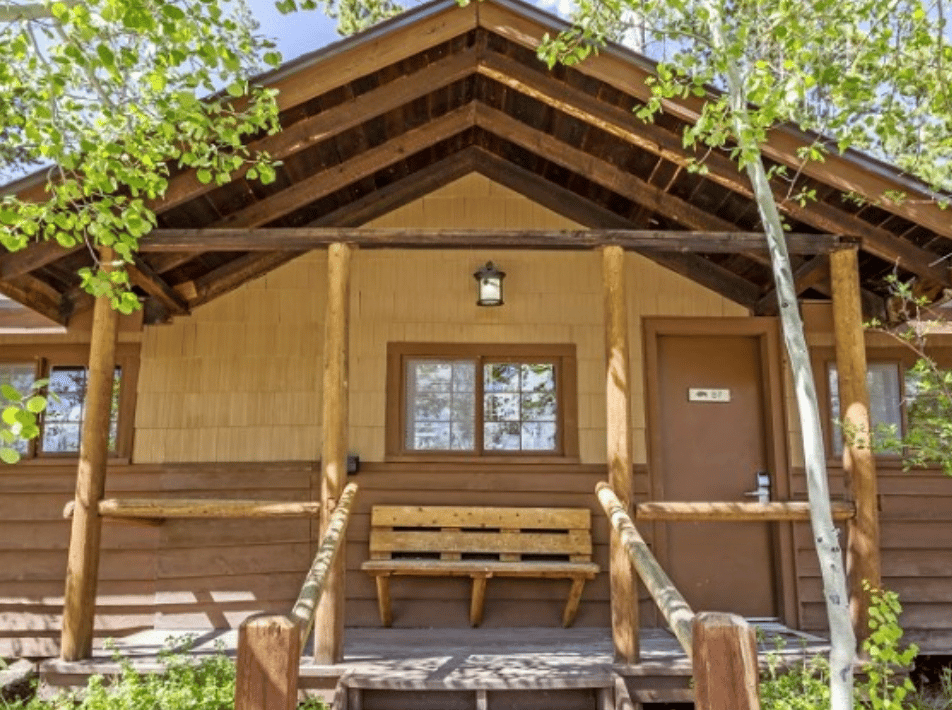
334,314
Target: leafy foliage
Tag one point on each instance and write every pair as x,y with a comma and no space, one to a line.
187,684
928,436
105,92
18,420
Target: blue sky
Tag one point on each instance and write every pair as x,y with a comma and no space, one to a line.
296,34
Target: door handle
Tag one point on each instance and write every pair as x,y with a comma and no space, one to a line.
762,492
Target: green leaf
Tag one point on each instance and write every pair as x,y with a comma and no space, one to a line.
9,415
11,393
8,455
106,55
36,404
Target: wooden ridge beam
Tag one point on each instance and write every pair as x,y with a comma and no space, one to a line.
305,238
334,121
362,165
35,256
142,275
721,169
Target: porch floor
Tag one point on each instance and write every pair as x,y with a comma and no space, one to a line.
458,659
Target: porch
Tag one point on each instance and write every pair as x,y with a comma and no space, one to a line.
514,668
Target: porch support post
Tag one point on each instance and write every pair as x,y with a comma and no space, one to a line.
82,566
329,619
859,464
624,587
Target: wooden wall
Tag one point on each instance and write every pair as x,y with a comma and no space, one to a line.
239,380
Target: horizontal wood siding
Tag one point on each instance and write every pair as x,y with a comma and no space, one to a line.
916,530
215,573
33,547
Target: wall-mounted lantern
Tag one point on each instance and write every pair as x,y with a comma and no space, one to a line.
489,285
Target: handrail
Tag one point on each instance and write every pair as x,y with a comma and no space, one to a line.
673,606
316,579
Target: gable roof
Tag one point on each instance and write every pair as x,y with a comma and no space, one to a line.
377,120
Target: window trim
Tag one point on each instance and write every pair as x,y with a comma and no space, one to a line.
563,356
45,357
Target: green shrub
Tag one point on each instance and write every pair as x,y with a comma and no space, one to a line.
207,683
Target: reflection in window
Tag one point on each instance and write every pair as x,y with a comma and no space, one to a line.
441,403
478,405
885,399
63,422
519,407
20,376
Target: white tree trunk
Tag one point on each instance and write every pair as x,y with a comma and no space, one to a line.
825,537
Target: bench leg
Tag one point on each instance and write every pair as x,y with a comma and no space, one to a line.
477,601
383,599
571,606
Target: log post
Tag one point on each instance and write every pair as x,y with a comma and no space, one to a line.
859,463
726,676
624,587
82,566
269,660
329,621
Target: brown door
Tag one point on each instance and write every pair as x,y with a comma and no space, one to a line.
712,429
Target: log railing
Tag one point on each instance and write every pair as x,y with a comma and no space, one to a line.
269,647
158,510
792,511
721,647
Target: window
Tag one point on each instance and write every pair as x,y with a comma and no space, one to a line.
62,423
883,380
482,400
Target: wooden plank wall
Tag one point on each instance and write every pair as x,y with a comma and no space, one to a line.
239,380
33,548
916,529
204,574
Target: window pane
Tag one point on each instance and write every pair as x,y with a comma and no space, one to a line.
63,422
20,376
885,399
440,405
520,409
503,436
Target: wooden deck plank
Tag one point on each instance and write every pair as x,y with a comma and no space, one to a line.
449,659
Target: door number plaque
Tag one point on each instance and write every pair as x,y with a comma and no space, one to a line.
704,394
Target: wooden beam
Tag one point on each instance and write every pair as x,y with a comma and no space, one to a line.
329,621
334,121
202,508
307,238
722,170
82,566
35,256
142,275
37,296
360,166
564,202
598,171
735,512
859,462
624,586
810,274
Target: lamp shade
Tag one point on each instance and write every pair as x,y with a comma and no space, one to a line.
489,285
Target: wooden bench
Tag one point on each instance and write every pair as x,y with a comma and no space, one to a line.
445,541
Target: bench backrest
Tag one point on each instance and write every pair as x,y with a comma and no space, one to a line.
504,534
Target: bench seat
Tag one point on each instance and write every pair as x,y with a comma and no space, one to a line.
480,543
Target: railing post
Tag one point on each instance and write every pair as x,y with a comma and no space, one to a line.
269,658
726,676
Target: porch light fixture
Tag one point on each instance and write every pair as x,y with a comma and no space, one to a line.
489,285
